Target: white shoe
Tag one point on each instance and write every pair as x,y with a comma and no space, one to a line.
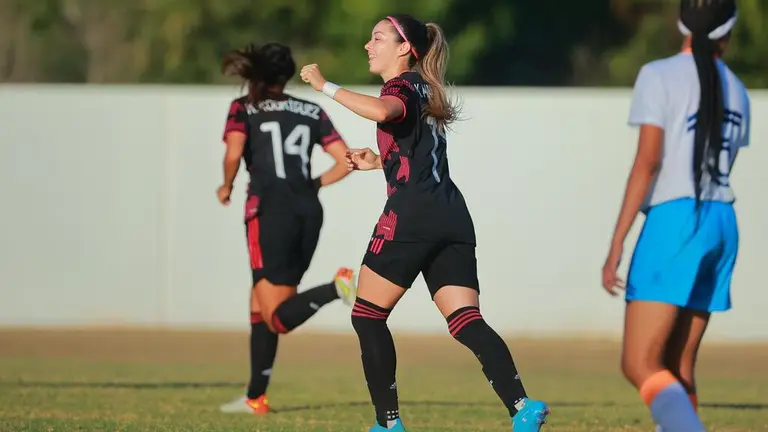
245,405
345,285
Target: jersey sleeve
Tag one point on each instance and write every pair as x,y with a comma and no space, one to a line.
748,120
237,119
648,99
401,89
328,133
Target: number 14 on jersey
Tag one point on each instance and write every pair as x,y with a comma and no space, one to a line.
295,144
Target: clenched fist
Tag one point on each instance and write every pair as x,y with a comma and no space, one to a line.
311,75
362,159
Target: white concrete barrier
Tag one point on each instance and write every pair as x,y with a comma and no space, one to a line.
109,214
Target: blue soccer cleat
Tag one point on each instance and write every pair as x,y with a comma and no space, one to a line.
530,417
396,426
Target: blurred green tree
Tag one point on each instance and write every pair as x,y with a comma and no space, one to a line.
655,35
493,42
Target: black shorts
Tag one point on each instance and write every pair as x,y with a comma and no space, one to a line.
281,243
441,263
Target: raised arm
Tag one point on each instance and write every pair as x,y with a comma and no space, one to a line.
379,109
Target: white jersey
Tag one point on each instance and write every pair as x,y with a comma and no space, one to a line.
666,95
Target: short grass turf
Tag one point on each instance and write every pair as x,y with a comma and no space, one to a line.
151,380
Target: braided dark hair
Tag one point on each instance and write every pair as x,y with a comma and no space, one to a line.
707,21
261,68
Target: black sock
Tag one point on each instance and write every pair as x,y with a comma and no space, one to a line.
468,327
299,308
379,359
263,351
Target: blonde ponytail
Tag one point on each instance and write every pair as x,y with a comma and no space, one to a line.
432,68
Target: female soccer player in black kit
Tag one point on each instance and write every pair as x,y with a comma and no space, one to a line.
425,226
274,133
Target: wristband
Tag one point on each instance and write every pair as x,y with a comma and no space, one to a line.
330,89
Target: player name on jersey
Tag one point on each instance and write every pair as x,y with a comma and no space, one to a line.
306,109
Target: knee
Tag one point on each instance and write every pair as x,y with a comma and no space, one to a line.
629,368
682,368
672,362
272,321
367,316
277,325
637,367
254,300
256,318
359,323
463,319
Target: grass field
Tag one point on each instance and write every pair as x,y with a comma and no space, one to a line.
140,380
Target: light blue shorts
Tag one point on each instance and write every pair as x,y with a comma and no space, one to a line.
686,258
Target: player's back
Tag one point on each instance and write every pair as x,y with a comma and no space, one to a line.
281,133
667,94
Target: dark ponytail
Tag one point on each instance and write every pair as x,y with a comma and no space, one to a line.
708,138
707,21
265,70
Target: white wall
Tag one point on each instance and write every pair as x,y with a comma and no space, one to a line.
109,214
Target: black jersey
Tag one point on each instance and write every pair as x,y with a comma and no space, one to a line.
424,204
280,136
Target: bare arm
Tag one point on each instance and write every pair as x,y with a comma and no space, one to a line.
377,163
338,150
379,109
646,166
235,143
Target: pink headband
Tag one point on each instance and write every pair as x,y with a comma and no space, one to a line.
402,34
